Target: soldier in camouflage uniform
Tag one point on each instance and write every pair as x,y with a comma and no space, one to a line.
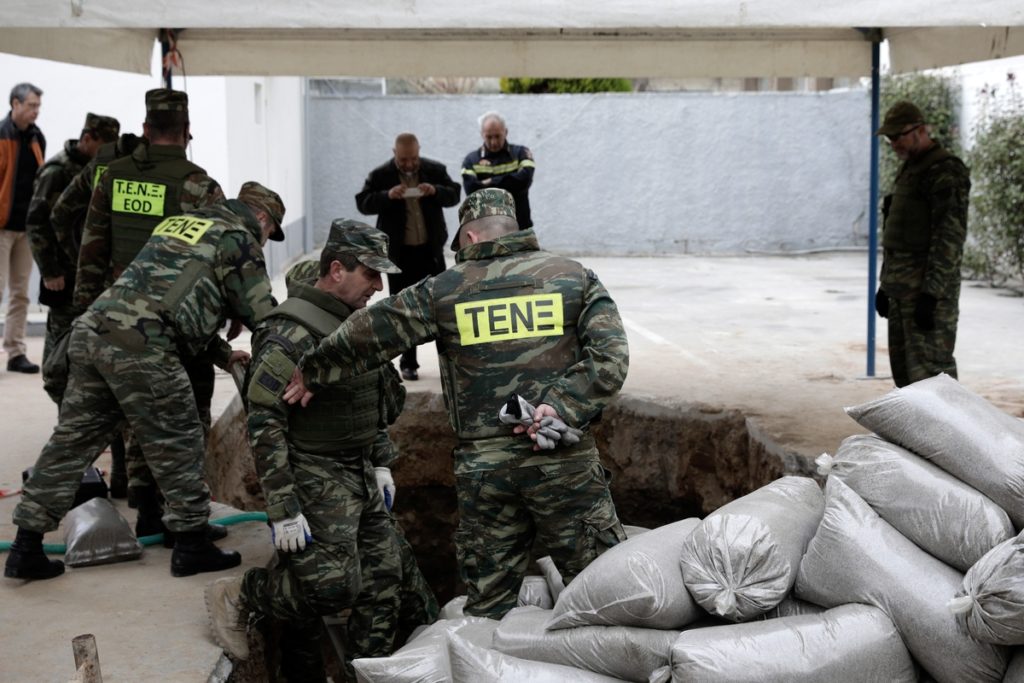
923,237
507,318
325,474
133,195
193,272
56,266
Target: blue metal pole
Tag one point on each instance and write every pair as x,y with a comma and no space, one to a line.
873,206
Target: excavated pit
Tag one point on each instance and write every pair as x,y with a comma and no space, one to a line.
667,462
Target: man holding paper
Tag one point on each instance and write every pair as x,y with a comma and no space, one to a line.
408,195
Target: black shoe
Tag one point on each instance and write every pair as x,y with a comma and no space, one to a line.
151,511
22,364
118,485
195,553
26,559
214,532
410,374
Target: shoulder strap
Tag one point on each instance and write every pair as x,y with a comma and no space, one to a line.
319,321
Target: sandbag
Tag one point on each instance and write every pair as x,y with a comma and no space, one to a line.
1015,672
635,583
848,643
475,664
453,609
553,577
934,509
957,430
856,556
425,659
534,591
742,559
991,605
96,533
624,652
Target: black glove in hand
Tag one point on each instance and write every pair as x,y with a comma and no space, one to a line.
924,312
882,303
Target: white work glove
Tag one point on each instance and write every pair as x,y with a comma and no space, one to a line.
517,410
386,485
551,430
291,535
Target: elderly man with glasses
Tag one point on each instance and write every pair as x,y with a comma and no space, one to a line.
923,238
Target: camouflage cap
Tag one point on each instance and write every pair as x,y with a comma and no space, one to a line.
367,244
257,195
165,99
107,128
490,201
899,116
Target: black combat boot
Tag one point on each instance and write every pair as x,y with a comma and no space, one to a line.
26,559
214,532
194,552
118,469
151,511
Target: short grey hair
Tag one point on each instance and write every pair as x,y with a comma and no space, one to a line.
22,90
487,116
491,227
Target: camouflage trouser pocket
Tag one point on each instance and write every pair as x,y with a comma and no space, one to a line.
599,530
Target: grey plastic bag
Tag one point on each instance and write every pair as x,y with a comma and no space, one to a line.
848,643
474,664
425,658
743,558
792,607
624,652
934,509
635,583
857,556
957,430
96,533
534,591
991,604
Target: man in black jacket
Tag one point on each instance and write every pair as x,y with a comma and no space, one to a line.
407,194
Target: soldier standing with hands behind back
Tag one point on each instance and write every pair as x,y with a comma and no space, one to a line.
923,237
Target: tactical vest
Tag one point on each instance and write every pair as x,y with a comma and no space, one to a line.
180,266
340,417
106,154
505,325
142,193
908,224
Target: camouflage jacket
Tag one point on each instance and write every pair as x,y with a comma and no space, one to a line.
194,272
576,365
67,216
277,345
51,180
931,192
95,264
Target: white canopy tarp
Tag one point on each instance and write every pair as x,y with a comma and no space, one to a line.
601,38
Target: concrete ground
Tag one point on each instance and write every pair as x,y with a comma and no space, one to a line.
780,338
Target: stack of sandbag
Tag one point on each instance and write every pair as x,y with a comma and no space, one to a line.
471,663
942,515
848,643
741,561
424,659
958,431
857,557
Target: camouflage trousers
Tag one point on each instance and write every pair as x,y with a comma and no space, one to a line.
108,385
565,507
916,354
58,323
353,561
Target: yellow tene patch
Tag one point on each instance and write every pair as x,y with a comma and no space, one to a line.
134,196
185,228
514,317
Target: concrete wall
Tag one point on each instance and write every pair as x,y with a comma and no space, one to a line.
634,173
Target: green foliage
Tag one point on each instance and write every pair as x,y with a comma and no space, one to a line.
938,98
995,248
565,85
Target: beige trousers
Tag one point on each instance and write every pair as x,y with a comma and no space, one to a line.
15,271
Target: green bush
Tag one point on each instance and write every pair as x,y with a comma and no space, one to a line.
995,247
938,98
521,86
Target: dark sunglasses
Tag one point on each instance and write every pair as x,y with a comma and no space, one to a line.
897,136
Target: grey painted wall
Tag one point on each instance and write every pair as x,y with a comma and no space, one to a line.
632,173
